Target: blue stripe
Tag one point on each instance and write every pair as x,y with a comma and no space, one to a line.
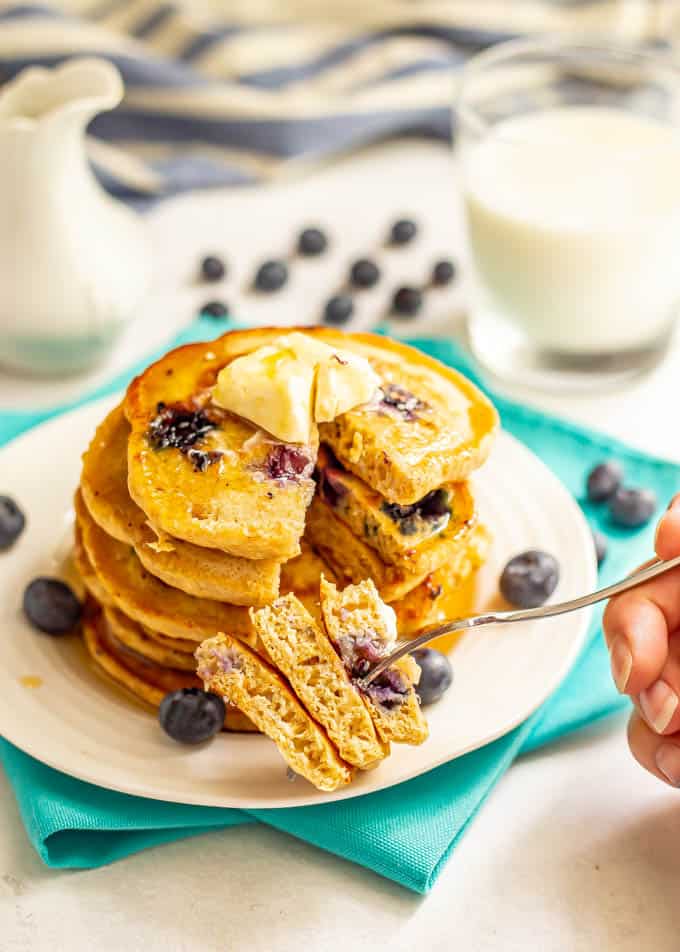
411,69
154,20
35,10
135,72
286,138
202,42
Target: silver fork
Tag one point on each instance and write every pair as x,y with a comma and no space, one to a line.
657,567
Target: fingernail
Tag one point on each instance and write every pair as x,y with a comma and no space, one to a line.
658,704
668,762
621,662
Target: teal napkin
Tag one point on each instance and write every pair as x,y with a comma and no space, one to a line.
405,833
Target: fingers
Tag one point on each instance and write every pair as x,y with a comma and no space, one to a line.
667,542
659,755
636,626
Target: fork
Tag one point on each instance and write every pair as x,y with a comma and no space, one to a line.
658,567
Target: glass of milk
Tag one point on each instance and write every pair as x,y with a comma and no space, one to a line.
570,168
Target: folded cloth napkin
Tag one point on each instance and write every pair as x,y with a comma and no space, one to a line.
407,832
271,84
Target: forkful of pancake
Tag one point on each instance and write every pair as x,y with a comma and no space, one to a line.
239,487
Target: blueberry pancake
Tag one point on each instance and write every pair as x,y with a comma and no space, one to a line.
301,651
203,474
136,641
231,669
397,533
204,572
149,682
206,476
363,630
353,559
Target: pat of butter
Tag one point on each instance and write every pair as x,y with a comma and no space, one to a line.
288,386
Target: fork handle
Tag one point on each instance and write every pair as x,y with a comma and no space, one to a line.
658,567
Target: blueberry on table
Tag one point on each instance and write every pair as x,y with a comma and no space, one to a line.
364,273
191,715
51,606
12,522
407,301
530,578
604,480
212,268
600,543
271,276
632,507
403,231
215,309
338,309
312,241
443,272
436,674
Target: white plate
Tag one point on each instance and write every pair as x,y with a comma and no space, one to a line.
78,723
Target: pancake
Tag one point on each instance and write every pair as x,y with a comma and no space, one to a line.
250,497
301,651
361,631
229,668
204,572
147,600
133,638
246,493
395,532
354,560
148,682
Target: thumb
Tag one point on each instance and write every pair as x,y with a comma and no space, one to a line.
667,543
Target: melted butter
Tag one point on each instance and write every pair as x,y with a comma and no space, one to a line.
31,681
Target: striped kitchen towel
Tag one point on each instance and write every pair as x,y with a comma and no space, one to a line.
235,91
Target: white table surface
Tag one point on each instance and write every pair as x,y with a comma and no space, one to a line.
576,849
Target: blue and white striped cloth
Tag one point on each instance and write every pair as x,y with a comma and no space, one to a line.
265,84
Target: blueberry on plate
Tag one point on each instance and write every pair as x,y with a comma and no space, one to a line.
443,272
215,309
212,268
530,578
12,522
407,301
338,309
271,276
364,273
312,241
191,715
51,606
600,542
603,480
403,231
436,674
632,507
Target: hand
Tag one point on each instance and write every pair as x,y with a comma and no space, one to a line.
642,629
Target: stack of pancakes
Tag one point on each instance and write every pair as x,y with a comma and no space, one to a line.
188,517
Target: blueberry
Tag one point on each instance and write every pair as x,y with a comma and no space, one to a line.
338,309
403,231
530,578
271,276
191,715
443,272
632,507
364,273
212,268
51,606
600,542
604,480
407,301
215,309
312,241
436,674
12,522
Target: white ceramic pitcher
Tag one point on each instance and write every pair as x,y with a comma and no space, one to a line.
74,262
